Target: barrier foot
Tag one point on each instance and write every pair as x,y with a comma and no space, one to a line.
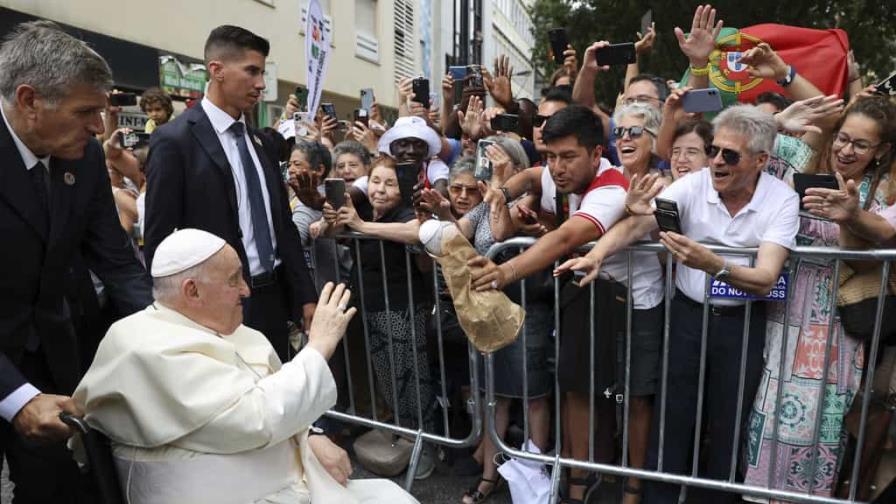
555,480
415,459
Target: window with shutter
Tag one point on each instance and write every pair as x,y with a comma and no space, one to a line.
405,45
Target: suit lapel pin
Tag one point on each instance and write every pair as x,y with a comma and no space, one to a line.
69,178
256,140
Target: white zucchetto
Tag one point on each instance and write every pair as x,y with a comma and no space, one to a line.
183,249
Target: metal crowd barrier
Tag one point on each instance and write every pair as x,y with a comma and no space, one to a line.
693,480
351,415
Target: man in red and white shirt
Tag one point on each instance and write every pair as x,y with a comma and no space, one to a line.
580,183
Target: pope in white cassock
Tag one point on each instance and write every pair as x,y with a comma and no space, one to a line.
198,406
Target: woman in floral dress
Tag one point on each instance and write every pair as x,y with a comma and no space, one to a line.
860,152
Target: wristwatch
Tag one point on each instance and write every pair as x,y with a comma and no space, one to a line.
788,79
724,273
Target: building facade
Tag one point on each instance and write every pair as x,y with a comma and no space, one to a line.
374,42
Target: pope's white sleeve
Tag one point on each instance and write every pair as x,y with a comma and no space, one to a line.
281,405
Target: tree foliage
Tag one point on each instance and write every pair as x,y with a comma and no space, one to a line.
870,25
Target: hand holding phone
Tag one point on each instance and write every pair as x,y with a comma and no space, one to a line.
420,87
367,99
484,169
334,188
363,116
559,43
408,175
616,54
803,181
667,217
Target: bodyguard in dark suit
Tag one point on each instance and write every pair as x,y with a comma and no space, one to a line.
208,170
57,218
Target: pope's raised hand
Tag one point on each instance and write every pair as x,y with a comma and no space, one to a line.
330,318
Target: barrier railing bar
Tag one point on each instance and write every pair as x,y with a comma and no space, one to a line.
819,412
779,393
741,384
394,381
869,379
591,374
701,379
628,356
366,329
670,292
525,363
348,365
411,312
437,310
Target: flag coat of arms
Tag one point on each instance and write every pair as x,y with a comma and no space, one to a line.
818,55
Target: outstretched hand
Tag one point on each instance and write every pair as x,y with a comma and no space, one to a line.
330,318
641,191
802,115
701,40
763,62
586,264
839,205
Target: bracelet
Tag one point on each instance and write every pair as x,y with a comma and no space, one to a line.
506,193
700,72
788,79
628,210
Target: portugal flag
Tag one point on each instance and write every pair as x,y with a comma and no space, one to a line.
817,55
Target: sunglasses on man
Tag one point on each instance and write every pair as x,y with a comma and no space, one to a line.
731,157
538,120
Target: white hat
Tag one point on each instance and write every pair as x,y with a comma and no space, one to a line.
411,127
182,250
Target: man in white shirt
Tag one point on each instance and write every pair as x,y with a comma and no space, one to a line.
198,406
732,203
208,169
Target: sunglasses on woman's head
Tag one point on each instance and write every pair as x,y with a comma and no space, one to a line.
633,131
731,157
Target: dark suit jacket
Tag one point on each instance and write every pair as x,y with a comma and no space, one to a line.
190,185
40,266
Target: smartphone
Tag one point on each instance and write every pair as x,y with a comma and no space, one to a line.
474,79
329,109
483,169
420,87
702,100
667,215
301,93
300,119
408,175
505,122
559,43
361,115
886,87
122,99
803,181
616,54
132,139
334,189
367,99
646,21
459,74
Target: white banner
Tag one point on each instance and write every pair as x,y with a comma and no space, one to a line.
317,54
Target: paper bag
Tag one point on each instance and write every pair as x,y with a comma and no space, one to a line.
490,319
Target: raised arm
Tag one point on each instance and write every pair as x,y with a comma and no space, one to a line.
699,44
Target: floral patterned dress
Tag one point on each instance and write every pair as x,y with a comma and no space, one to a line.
808,333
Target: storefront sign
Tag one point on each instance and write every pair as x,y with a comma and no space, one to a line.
181,79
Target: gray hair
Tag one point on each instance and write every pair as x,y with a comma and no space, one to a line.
651,115
461,166
354,148
756,126
166,289
315,153
51,61
513,149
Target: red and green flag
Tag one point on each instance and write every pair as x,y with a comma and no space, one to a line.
817,55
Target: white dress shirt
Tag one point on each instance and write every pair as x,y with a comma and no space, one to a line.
221,122
772,216
11,404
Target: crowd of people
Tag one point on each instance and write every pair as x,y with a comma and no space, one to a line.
241,231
